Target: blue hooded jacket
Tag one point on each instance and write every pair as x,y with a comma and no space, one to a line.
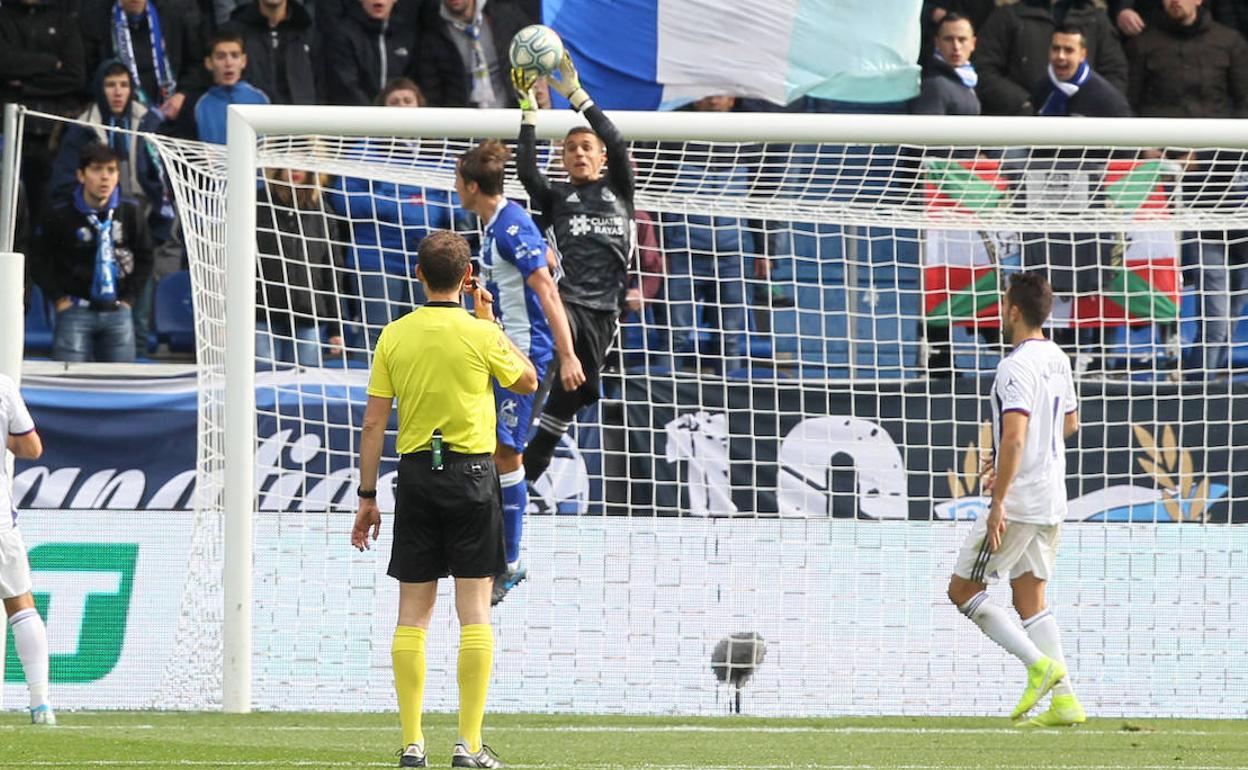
142,174
212,106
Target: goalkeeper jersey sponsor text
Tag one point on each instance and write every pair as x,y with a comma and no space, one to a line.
591,228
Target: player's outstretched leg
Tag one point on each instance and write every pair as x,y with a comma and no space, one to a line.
1064,710
30,637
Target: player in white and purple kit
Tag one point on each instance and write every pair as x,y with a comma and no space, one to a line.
30,636
1034,411
526,302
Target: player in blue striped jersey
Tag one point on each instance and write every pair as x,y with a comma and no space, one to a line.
526,302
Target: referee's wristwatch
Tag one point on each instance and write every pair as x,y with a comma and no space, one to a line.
366,494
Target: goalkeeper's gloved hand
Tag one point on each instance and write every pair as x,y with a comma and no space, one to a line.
522,81
569,85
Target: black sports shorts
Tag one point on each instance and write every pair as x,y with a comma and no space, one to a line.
447,522
593,331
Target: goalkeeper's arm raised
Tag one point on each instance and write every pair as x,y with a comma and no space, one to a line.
535,182
619,165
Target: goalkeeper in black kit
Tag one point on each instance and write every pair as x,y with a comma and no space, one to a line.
589,222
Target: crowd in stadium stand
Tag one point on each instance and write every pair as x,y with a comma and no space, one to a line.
174,66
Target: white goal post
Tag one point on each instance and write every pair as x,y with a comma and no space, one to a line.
248,125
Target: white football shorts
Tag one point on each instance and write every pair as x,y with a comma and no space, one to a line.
14,566
1024,548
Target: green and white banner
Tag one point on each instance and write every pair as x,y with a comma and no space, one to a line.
109,584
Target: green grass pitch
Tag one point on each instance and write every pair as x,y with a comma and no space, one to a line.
172,740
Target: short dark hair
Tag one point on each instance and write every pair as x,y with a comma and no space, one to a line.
1031,294
400,84
1071,29
225,36
951,17
484,164
96,154
115,68
444,257
581,130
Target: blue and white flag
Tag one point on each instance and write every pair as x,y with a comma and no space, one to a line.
651,54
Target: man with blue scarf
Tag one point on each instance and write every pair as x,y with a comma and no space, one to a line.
92,254
949,78
1071,88
158,41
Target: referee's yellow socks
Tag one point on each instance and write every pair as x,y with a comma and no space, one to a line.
476,655
408,654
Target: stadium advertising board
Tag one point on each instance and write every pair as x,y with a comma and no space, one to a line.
305,459
1147,452
110,585
911,450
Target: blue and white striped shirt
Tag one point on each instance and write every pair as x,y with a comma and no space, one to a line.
512,249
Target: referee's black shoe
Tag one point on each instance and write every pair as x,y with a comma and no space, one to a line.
486,757
413,756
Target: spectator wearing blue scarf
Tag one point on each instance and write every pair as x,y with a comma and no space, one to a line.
115,104
158,41
1071,88
949,78
92,255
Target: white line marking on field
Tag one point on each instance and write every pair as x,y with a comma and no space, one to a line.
260,763
649,729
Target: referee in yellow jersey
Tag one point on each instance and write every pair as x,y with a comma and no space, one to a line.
438,361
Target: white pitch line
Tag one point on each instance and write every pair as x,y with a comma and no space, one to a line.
586,766
655,729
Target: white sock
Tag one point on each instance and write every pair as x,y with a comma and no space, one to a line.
1042,629
1000,628
31,639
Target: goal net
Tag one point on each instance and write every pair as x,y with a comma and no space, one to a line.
790,426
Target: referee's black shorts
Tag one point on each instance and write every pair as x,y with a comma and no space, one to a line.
447,522
593,331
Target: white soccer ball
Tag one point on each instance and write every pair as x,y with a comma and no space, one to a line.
537,48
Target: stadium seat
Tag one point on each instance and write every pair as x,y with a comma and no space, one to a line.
40,324
175,320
